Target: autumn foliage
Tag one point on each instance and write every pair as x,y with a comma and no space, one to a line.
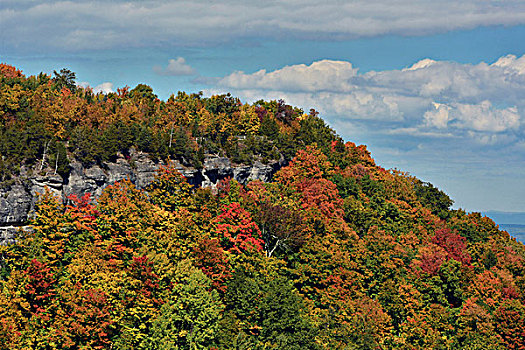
335,253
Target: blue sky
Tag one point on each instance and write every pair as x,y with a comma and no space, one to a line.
432,88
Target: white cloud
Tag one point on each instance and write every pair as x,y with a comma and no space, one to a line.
323,75
83,24
175,67
484,117
511,64
478,117
437,117
105,88
363,105
414,131
427,62
429,99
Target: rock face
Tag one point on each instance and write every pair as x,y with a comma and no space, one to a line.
17,201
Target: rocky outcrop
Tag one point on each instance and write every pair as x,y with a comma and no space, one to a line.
17,200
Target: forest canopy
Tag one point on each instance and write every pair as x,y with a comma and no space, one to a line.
335,253
51,120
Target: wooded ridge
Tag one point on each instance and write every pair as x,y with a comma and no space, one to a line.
335,252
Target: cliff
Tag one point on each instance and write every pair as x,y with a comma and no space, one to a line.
17,200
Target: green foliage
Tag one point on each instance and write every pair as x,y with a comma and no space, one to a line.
189,318
65,79
434,199
269,127
58,158
347,186
222,104
94,129
284,324
336,253
268,314
315,131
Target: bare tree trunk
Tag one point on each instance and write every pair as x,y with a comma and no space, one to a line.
56,162
44,156
171,135
269,254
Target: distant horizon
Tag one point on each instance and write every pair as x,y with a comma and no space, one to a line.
512,222
506,217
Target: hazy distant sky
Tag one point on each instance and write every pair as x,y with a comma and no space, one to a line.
435,88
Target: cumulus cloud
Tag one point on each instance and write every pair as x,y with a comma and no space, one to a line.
511,64
478,117
176,67
428,99
85,24
320,76
437,117
484,117
427,62
105,87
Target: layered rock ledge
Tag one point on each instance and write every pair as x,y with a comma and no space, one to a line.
17,200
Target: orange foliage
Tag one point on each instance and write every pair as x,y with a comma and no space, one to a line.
10,71
238,232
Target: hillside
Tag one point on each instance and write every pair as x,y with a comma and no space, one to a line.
335,252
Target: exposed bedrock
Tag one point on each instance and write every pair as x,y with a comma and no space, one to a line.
17,200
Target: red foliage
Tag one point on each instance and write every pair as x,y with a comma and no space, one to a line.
255,193
210,257
83,213
453,244
65,92
359,154
509,293
82,207
10,71
445,245
40,285
357,171
340,283
88,320
323,195
123,92
334,145
142,269
308,164
510,318
238,231
431,262
224,187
